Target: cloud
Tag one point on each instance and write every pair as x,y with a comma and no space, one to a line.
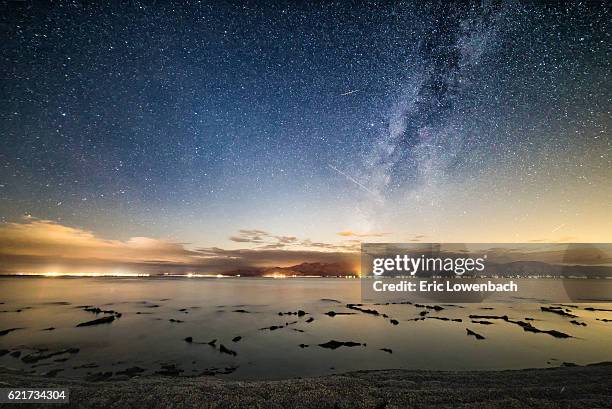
42,245
250,236
35,245
263,240
44,238
286,239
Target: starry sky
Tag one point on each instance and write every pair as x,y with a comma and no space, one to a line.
200,128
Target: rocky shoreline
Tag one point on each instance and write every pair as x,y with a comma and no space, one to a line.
562,387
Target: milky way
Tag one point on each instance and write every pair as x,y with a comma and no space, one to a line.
194,121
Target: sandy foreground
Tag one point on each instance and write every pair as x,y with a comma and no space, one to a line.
565,387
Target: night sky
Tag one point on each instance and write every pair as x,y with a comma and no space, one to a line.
305,126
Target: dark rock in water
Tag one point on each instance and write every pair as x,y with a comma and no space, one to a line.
569,364
60,360
189,339
357,307
212,343
183,309
334,313
470,332
298,330
152,306
15,354
275,327
103,320
133,371
333,344
385,316
309,320
299,313
389,350
169,370
603,319
98,376
228,351
394,322
423,313
53,373
49,329
482,322
490,317
596,309
97,310
430,307
444,319
303,346
575,322
242,311
272,327
3,352
559,311
175,320
330,300
6,331
236,339
530,328
556,334
33,358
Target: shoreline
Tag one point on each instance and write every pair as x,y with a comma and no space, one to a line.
566,386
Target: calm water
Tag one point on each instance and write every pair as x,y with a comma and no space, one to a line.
148,340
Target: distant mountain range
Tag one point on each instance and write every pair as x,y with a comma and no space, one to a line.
303,269
517,268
